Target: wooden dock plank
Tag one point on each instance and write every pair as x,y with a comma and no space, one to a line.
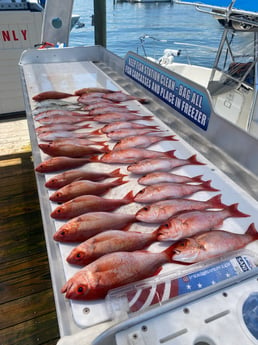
28,313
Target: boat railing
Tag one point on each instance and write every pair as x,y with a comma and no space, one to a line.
152,48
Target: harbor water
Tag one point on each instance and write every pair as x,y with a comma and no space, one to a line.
174,26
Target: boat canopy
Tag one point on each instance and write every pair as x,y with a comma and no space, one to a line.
234,5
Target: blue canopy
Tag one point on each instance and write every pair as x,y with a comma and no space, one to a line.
239,5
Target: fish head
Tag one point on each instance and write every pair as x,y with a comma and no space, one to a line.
186,250
77,257
142,194
172,230
57,196
67,233
146,213
77,287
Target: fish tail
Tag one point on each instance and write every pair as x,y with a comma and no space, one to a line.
193,160
170,137
198,178
148,117
207,186
252,231
234,211
129,197
86,126
117,173
105,148
216,202
94,159
119,181
171,153
96,132
143,100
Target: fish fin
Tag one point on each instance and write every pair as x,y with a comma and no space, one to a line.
148,117
117,173
171,153
97,131
143,100
95,159
193,160
207,186
119,181
170,137
198,178
129,197
216,202
106,148
252,231
233,209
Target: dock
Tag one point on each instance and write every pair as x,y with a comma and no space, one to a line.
28,314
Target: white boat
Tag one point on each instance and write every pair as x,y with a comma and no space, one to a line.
231,81
21,28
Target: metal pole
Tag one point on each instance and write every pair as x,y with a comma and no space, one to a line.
100,22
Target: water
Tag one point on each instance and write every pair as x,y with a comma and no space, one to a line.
175,23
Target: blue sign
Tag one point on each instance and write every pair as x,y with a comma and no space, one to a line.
189,101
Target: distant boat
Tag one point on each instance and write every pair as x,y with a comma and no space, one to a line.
232,80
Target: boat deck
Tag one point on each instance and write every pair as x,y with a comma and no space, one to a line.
28,313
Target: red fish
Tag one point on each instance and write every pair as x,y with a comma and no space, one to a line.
77,141
83,187
161,191
55,112
51,95
129,132
114,270
90,90
62,119
109,108
109,242
99,104
160,176
111,127
60,163
160,164
89,203
83,227
57,135
67,177
120,96
56,149
66,127
163,210
141,141
119,116
131,155
193,222
211,244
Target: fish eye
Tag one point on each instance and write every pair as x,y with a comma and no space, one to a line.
166,225
80,290
141,191
145,208
62,233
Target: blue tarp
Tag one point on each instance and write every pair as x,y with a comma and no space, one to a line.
243,5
